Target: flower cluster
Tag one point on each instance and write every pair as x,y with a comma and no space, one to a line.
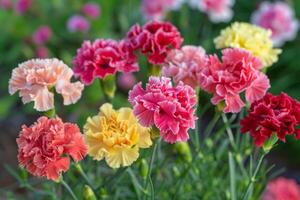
101,58
227,79
278,115
282,189
170,109
279,17
249,37
46,146
34,79
154,40
115,136
217,10
185,64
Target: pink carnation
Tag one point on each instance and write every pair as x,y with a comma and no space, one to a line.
282,189
46,146
35,77
217,10
42,35
5,4
185,64
155,39
279,18
170,109
42,52
126,81
78,23
22,6
101,58
227,79
91,9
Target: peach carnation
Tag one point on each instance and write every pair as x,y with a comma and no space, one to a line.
185,64
46,146
35,78
227,79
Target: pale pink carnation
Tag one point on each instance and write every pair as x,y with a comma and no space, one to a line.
126,81
282,189
78,23
91,9
45,148
35,77
22,6
185,64
42,35
280,18
169,108
217,10
227,79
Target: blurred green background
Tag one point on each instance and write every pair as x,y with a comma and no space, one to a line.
114,21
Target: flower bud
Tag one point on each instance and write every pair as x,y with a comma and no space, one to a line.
155,133
88,193
109,85
144,168
268,145
183,149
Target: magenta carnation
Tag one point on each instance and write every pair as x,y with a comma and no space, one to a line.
169,108
91,9
78,23
22,6
42,35
103,57
155,39
227,79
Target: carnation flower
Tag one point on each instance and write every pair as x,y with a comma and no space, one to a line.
91,9
217,10
78,23
101,58
227,79
279,17
170,109
42,35
157,9
116,136
42,52
282,189
185,64
22,6
126,81
278,115
5,4
155,39
35,78
46,146
252,38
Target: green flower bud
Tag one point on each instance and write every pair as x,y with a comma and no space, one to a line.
144,168
23,174
154,132
108,85
88,193
183,149
176,171
154,70
103,193
268,145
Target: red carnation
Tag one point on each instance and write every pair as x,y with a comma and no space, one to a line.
101,58
155,39
272,114
46,146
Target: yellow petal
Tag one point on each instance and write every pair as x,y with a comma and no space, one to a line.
144,137
107,110
122,157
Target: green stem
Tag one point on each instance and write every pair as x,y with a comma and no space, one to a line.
249,190
197,129
229,131
68,188
84,175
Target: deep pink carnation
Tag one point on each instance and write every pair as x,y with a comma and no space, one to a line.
78,23
280,18
282,189
155,39
272,114
227,79
185,64
42,52
170,109
91,9
22,6
46,146
101,58
42,35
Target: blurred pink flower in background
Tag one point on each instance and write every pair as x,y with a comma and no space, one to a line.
282,189
22,6
126,81
279,17
42,35
217,10
91,9
157,9
78,23
185,64
42,52
5,4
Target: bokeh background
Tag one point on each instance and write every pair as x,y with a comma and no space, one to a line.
114,20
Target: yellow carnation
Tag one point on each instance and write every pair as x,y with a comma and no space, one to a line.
116,136
250,37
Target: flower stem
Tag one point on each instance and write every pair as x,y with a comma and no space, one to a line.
84,176
197,129
229,131
68,188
